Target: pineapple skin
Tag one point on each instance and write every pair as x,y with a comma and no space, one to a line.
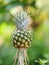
21,39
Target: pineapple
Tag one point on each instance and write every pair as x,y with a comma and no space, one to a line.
22,36
21,39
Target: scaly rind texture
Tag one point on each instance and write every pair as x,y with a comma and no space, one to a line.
21,38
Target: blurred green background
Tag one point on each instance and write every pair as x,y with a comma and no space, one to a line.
39,11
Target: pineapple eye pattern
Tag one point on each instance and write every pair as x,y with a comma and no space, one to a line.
21,38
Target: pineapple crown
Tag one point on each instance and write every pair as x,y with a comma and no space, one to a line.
21,18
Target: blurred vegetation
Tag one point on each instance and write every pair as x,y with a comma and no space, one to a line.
39,11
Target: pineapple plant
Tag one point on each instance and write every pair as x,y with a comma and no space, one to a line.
22,35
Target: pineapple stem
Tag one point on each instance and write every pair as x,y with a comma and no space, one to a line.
16,57
21,56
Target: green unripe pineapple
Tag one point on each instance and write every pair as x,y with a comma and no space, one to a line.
21,38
